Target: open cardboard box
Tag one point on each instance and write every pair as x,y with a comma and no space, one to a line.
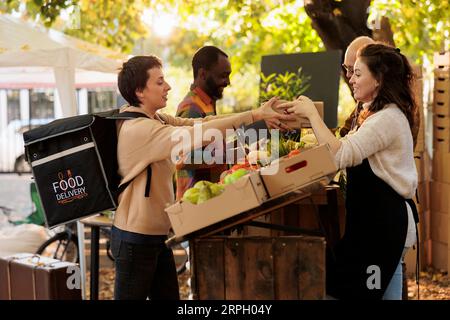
246,193
441,79
301,122
281,177
442,59
442,95
290,173
441,159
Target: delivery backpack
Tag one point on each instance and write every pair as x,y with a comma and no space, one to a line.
74,164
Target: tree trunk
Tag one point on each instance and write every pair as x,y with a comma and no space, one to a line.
339,22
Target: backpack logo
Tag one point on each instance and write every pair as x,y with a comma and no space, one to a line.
69,188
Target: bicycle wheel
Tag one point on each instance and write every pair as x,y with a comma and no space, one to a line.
62,246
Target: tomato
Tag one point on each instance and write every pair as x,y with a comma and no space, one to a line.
293,153
240,166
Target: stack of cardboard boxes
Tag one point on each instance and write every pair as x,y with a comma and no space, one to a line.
440,186
422,164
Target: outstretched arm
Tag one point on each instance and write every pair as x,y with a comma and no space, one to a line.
304,107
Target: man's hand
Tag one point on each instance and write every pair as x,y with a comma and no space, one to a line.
273,119
302,107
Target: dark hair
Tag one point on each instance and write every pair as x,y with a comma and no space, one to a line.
205,58
133,76
394,73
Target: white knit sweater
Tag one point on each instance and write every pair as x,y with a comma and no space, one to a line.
385,139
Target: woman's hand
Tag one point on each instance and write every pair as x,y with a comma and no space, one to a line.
302,107
272,118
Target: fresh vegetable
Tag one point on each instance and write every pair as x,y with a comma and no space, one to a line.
202,191
236,175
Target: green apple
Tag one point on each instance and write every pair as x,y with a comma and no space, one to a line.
233,177
191,195
216,189
204,194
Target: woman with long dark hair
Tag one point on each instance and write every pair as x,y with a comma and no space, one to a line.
381,177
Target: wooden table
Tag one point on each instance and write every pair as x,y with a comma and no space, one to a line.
243,217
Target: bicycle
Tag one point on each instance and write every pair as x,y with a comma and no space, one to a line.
63,241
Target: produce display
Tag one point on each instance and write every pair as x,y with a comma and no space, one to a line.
205,190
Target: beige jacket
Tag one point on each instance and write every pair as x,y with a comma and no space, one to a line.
144,141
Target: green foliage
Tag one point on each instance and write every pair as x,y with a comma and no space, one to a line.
287,86
245,29
420,27
113,24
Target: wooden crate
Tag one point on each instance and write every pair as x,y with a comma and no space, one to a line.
326,204
258,268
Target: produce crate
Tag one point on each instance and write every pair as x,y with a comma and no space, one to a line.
246,193
258,268
309,166
299,174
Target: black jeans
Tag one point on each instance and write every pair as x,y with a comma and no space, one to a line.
144,271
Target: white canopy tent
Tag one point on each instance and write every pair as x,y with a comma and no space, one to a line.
32,56
58,58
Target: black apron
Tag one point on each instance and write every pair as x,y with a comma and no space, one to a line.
375,234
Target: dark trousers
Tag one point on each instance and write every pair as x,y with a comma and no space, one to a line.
144,271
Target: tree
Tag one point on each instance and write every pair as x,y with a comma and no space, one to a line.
249,28
113,24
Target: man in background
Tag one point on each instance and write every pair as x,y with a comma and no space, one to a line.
212,69
349,61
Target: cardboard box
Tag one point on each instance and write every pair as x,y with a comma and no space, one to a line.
411,258
440,120
441,108
419,165
287,174
439,255
259,268
442,146
439,226
420,145
441,80
410,261
302,122
442,72
442,95
441,167
441,133
423,203
246,193
440,197
441,59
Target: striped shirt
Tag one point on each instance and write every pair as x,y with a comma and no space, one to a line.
197,104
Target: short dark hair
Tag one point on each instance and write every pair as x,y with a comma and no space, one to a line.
133,76
205,58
